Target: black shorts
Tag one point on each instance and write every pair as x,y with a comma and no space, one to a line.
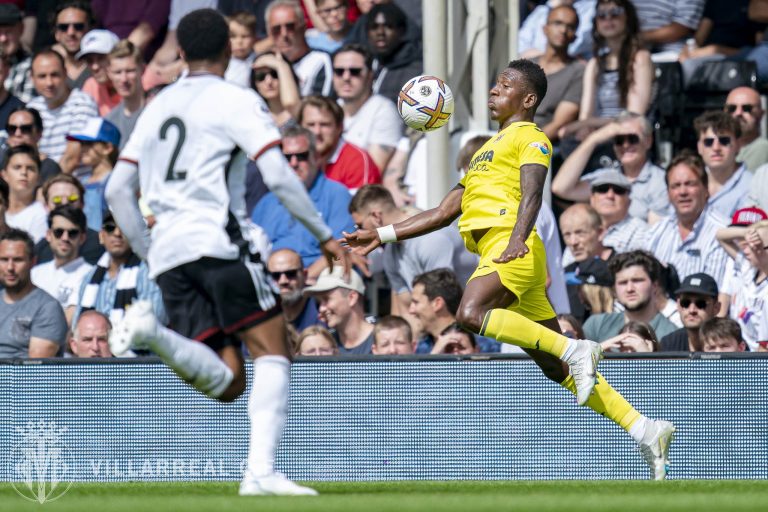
210,299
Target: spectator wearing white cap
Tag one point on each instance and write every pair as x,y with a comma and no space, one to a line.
610,196
99,140
63,110
341,308
94,49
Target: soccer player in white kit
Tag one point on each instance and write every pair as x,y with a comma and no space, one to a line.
187,154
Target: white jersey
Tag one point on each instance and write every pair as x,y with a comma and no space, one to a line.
191,145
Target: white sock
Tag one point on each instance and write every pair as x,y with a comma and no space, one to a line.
268,411
639,427
193,361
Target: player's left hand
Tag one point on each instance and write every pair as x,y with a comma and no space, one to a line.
333,251
362,241
515,249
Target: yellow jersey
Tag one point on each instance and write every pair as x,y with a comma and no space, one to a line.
492,184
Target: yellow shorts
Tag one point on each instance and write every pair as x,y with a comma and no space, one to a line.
525,277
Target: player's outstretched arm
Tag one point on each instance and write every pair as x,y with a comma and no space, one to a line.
532,177
121,193
364,241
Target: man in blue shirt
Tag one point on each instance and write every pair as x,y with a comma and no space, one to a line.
330,198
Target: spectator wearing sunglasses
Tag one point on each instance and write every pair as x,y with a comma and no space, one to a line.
697,302
686,238
371,121
743,103
118,279
62,275
287,271
610,197
19,80
273,79
73,19
65,189
286,27
632,138
25,126
718,144
330,198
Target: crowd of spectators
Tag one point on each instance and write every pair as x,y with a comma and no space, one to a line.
642,255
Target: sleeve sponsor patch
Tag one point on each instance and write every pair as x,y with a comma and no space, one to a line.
541,147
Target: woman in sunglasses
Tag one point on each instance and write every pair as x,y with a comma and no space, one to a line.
273,79
620,75
25,126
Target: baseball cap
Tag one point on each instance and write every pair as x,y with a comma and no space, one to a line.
9,14
748,216
330,280
612,177
701,284
97,41
97,129
591,271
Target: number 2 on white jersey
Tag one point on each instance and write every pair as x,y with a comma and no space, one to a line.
173,174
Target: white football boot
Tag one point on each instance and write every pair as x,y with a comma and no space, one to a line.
137,326
655,447
583,366
275,484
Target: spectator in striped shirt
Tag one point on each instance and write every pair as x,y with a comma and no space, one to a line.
666,24
63,110
686,239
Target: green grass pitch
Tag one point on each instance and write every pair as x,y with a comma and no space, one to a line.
406,496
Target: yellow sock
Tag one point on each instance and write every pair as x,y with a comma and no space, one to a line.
607,401
515,329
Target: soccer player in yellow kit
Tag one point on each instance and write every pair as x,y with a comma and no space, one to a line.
505,298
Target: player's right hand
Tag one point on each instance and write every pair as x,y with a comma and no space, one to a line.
334,252
362,241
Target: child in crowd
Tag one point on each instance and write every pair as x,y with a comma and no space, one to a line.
242,36
21,170
316,341
100,141
721,335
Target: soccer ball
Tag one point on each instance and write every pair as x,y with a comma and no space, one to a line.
425,103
